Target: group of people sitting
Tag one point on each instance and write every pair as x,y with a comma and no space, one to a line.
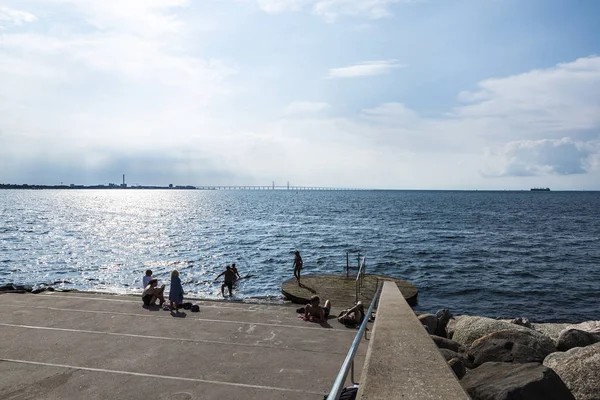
350,317
152,292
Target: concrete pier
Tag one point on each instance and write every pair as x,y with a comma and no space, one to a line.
402,361
341,291
92,346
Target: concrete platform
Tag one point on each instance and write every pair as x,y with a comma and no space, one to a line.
91,346
341,291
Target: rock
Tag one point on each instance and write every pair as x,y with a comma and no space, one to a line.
26,288
587,326
468,329
7,287
50,289
511,346
429,322
571,338
449,354
505,381
522,322
458,367
449,344
444,316
579,369
550,329
39,290
450,326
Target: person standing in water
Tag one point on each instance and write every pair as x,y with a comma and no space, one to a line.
297,266
228,281
236,274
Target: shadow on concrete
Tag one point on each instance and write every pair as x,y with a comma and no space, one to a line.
178,314
303,286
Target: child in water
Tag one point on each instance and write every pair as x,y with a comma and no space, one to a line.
176,292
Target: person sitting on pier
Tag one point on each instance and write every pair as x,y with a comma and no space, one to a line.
352,316
314,312
146,278
228,281
153,292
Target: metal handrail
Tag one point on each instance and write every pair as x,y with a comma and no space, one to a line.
336,389
359,278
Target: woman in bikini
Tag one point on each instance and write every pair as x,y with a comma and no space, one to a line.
297,266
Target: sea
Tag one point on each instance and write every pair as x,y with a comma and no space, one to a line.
501,254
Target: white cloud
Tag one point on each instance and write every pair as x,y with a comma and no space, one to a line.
9,16
305,107
367,68
331,10
542,157
281,6
562,98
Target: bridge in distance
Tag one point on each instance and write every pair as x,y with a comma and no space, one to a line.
268,187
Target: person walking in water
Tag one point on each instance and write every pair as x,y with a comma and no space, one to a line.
236,274
229,275
297,266
176,291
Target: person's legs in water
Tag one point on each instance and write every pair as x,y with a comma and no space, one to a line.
230,287
223,290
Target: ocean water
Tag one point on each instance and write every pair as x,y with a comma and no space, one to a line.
496,254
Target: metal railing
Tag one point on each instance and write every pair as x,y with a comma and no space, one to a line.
348,364
359,278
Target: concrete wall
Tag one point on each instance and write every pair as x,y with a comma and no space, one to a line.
402,361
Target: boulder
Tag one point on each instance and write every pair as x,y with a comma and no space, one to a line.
444,315
587,326
450,326
505,381
449,344
571,338
522,321
458,367
550,329
579,368
39,290
511,346
6,287
468,329
449,354
429,322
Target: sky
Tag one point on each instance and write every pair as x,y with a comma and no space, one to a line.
382,94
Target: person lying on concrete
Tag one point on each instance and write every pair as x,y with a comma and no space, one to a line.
352,316
152,292
146,278
314,312
228,275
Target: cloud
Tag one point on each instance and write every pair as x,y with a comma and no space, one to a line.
331,10
558,99
367,68
305,107
542,157
9,16
281,6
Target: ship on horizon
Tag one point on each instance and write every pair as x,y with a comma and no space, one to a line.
540,189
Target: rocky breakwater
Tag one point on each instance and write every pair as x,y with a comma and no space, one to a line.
519,360
39,288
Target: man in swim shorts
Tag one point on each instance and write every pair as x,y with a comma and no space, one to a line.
228,281
152,292
314,312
